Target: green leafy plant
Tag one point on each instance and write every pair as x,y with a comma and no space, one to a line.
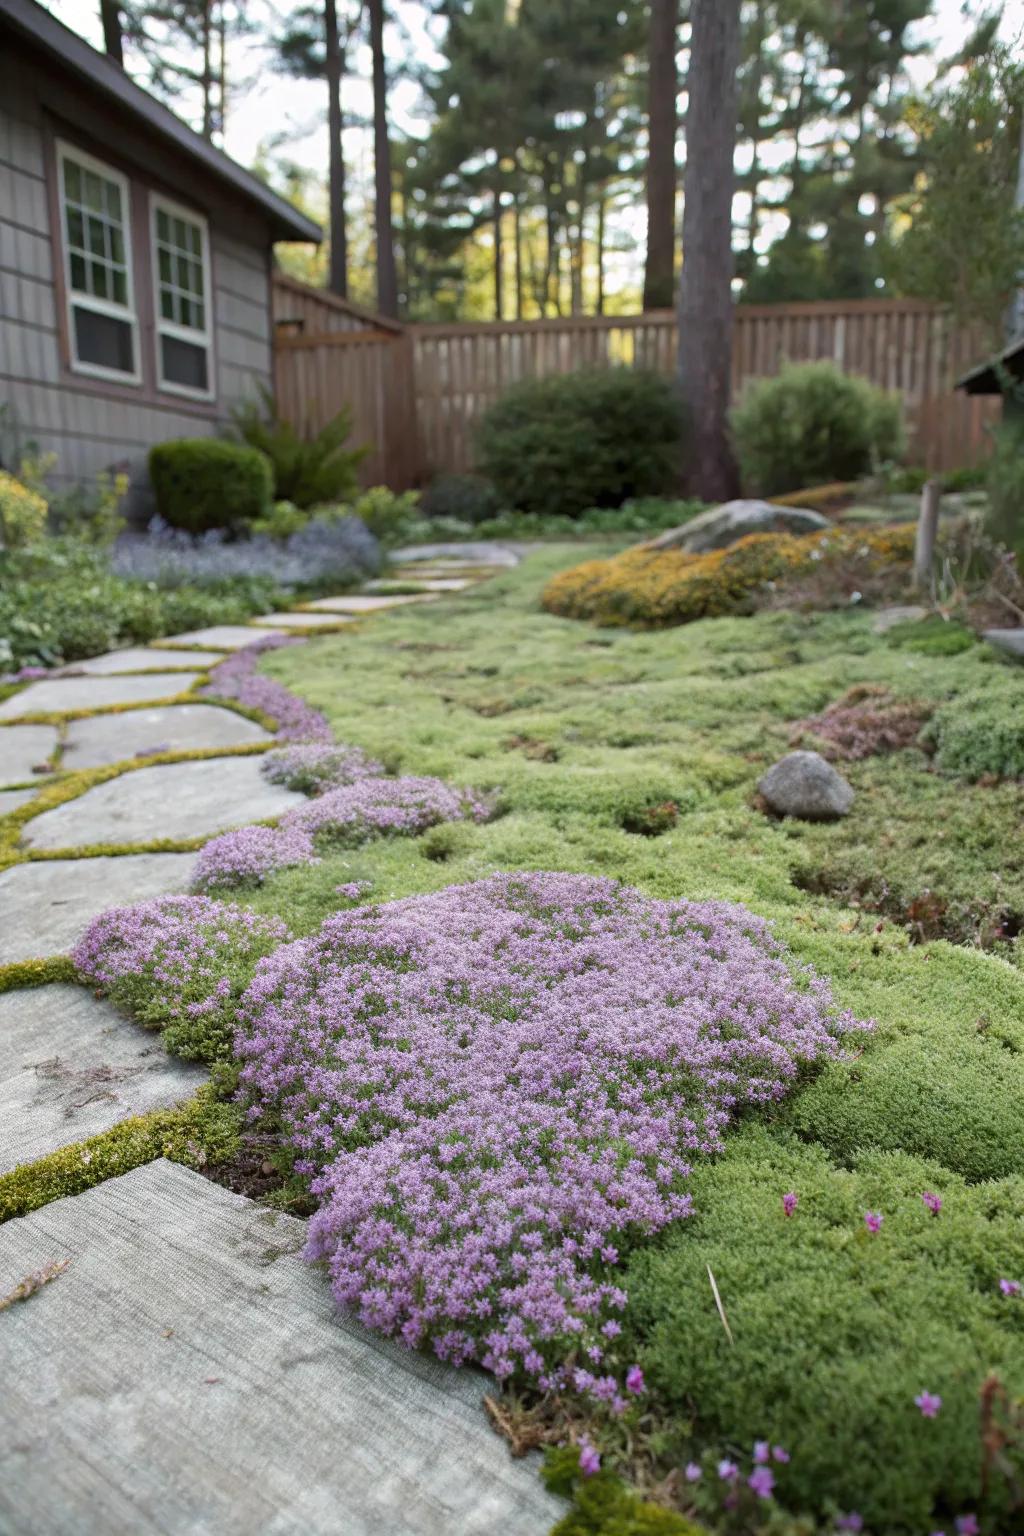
980,733
391,516
283,519
306,470
468,498
91,512
1004,482
578,440
22,512
811,425
203,483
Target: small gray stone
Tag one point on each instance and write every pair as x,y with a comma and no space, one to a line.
62,695
10,799
472,553
1010,641
174,728
359,602
188,1373
222,637
48,904
179,800
428,583
803,784
72,1066
899,613
722,526
24,748
141,658
301,620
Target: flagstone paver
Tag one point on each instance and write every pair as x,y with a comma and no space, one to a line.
64,694
142,658
429,583
188,1372
71,1066
360,603
301,620
177,800
472,553
46,906
218,637
23,748
10,799
173,728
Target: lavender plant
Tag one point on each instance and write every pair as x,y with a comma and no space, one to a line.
327,551
379,807
498,1089
314,768
237,678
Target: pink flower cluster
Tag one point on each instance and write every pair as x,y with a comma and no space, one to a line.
314,767
250,854
378,807
499,1087
237,678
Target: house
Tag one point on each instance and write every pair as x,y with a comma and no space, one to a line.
135,260
1002,375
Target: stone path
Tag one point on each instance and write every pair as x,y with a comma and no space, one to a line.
188,1373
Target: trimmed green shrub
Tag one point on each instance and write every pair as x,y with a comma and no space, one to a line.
579,440
22,512
202,483
810,425
1004,481
467,498
389,515
307,471
981,732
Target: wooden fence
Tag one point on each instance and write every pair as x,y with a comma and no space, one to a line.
418,393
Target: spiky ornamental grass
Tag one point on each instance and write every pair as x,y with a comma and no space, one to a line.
498,1089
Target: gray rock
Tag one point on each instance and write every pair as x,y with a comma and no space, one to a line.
181,800
24,748
141,658
1010,641
472,552
10,799
60,695
71,1066
47,905
359,602
803,784
721,526
222,637
899,613
189,1373
302,620
174,728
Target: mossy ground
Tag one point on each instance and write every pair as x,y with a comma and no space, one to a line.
580,729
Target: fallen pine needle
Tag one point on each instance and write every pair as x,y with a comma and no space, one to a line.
721,1309
33,1283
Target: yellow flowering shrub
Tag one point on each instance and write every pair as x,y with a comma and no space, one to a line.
22,512
647,589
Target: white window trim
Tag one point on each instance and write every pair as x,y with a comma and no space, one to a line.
73,298
164,327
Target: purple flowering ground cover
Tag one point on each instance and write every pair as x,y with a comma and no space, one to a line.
238,678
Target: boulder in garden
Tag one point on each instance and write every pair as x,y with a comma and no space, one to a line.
804,785
722,526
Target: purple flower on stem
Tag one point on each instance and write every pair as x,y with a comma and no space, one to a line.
929,1404
789,1203
692,1472
851,1522
728,1470
933,1202
635,1380
762,1482
967,1525
761,1451
780,1454
590,1460
1010,1287
873,1220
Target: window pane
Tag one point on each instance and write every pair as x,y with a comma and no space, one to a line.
116,245
72,180
166,304
114,200
165,266
184,363
97,244
195,239
92,189
98,280
199,316
163,225
78,274
76,228
119,283
104,341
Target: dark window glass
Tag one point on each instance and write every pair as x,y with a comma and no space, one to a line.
103,340
184,363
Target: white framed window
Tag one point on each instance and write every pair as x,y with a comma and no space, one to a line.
103,324
183,299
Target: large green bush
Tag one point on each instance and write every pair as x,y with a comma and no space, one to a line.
811,425
202,483
308,471
579,440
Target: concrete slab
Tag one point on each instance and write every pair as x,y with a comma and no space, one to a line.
63,694
180,800
45,907
175,728
302,620
361,603
10,799
24,748
71,1066
188,1373
219,637
142,658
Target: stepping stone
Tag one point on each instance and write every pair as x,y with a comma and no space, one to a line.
179,800
175,728
60,695
1009,641
429,584
188,1372
71,1066
10,799
302,620
23,748
219,637
899,613
474,552
47,905
360,603
142,658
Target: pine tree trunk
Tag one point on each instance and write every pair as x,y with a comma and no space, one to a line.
338,275
387,279
659,270
517,235
601,209
222,78
110,16
705,296
498,253
207,69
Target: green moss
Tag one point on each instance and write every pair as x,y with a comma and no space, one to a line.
35,973
981,731
932,636
604,1507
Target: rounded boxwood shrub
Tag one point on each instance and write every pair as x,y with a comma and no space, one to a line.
580,440
202,483
811,425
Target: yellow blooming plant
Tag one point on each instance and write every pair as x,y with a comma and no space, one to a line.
22,512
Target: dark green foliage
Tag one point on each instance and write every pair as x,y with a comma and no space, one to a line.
202,483
981,731
306,471
579,440
1004,482
468,498
837,1330
933,636
603,1506
812,425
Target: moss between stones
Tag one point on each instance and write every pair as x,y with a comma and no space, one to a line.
36,973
